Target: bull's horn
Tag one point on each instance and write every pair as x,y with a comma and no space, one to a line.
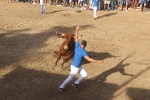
61,34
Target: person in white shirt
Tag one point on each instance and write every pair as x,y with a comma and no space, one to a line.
43,7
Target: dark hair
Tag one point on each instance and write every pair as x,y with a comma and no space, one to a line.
84,43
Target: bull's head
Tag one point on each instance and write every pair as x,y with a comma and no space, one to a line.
68,39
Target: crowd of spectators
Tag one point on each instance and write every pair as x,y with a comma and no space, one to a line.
104,4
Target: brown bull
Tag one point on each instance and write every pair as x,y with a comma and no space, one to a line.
66,49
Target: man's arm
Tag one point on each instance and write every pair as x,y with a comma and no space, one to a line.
93,60
76,33
99,4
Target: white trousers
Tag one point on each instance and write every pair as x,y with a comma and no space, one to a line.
95,10
72,75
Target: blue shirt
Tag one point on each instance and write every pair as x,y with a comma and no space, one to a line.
79,54
95,3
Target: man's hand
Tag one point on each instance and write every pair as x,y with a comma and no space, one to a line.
76,33
93,60
77,28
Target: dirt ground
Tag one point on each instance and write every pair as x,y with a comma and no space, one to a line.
28,44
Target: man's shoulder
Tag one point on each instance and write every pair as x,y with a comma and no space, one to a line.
77,43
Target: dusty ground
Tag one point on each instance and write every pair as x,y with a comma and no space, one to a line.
28,43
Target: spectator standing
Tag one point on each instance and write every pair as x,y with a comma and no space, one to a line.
148,4
113,4
58,2
50,2
29,1
134,4
125,3
81,4
10,1
65,3
95,4
34,2
106,4
74,3
42,6
142,5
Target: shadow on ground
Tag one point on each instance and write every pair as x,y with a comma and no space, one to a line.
30,84
118,68
138,94
107,15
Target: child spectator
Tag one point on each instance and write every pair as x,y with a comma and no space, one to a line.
43,7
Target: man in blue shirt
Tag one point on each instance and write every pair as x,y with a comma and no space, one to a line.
96,5
76,67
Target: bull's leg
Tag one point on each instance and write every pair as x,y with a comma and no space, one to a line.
66,59
58,58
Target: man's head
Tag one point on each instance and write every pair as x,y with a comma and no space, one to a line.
83,43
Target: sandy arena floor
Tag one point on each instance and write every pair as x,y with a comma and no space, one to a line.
28,44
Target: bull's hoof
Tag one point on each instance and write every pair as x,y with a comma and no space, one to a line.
54,66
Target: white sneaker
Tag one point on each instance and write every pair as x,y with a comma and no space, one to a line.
33,3
126,10
95,18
